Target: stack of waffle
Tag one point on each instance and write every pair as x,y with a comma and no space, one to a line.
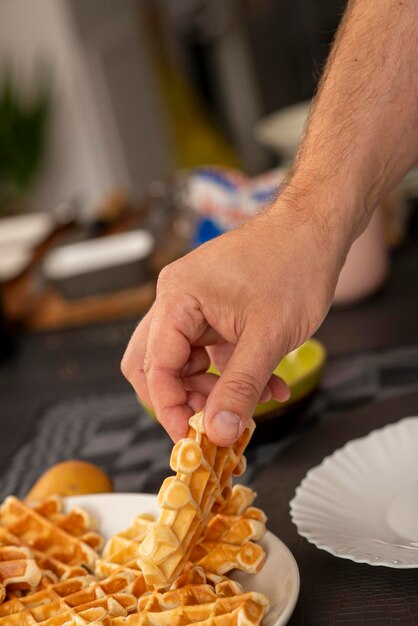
195,598
53,572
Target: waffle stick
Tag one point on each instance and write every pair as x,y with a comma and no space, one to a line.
58,614
123,547
52,569
221,558
237,502
191,575
18,570
203,472
77,522
196,597
240,524
74,601
227,542
107,569
120,554
222,605
18,603
236,529
43,535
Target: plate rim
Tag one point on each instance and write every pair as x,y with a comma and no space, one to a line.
293,566
326,461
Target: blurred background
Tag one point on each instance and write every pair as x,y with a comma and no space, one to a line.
131,131
107,110
163,122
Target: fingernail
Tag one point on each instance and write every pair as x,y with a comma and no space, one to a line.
286,395
226,425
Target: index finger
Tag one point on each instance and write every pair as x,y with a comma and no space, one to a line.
176,324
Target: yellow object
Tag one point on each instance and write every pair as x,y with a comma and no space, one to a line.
70,478
301,369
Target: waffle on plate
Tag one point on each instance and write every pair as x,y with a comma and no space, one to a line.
54,570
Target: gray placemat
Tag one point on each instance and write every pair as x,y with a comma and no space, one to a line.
114,432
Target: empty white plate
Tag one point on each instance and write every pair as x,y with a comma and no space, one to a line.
279,578
361,503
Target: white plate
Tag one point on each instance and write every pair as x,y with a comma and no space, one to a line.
279,578
361,503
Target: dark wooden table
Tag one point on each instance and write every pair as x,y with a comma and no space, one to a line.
337,591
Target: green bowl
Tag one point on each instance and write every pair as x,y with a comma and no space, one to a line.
301,369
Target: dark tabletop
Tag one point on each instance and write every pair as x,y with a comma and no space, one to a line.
337,591
50,367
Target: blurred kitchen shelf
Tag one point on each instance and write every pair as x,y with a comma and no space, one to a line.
55,312
48,310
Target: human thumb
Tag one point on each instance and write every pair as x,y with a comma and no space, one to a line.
232,401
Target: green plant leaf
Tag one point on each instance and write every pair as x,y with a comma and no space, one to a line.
23,132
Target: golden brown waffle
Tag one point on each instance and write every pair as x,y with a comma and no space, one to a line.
76,601
195,600
51,572
238,500
228,541
122,548
78,522
18,570
203,478
236,529
221,558
52,568
120,554
62,545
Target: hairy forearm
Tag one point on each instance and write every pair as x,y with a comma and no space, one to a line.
362,133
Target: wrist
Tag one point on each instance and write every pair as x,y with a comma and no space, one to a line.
338,209
318,222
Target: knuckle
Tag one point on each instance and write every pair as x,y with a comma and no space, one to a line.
166,277
125,367
147,365
132,371
244,387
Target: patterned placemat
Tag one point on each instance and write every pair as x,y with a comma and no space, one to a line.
114,432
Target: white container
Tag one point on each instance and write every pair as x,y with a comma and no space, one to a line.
99,265
366,266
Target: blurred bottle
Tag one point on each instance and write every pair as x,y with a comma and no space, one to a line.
367,264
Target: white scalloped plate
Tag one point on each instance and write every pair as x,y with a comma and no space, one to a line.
279,578
361,503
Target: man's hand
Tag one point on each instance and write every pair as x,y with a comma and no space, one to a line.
242,301
247,298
